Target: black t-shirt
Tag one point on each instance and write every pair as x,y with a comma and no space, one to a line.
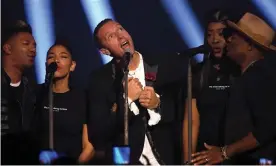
211,100
251,108
69,117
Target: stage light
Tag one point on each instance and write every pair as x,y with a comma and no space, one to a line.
183,17
268,9
39,16
96,11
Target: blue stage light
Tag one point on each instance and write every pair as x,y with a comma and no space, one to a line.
182,15
268,9
96,11
39,16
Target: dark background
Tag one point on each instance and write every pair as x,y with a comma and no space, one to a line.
146,20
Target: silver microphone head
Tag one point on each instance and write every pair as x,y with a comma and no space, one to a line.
128,54
128,51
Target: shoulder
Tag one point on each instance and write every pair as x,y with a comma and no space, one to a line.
257,70
5,79
99,75
260,75
101,71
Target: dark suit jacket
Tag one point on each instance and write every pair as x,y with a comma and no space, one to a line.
16,118
105,127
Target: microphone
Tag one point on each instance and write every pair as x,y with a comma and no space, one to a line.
52,67
196,50
127,57
50,70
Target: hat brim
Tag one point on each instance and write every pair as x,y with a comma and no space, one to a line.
237,28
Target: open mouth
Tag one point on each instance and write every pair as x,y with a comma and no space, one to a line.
125,44
31,55
217,50
31,58
58,68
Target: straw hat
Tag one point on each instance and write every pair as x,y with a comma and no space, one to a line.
255,29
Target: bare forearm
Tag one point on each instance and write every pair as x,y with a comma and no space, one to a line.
247,143
87,154
87,148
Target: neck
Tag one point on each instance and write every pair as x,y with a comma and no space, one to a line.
61,85
134,62
12,70
248,62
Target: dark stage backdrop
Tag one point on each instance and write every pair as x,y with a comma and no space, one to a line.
146,20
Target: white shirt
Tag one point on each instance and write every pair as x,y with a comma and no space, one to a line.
15,84
154,116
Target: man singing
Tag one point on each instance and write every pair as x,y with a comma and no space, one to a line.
18,96
152,105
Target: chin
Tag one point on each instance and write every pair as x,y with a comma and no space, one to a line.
59,75
28,65
218,55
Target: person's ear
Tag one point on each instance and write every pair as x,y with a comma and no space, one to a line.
7,48
73,66
105,51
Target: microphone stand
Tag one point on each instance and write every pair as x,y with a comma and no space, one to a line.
51,113
190,114
126,71
190,144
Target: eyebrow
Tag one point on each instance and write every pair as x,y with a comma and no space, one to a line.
60,53
28,40
107,33
215,29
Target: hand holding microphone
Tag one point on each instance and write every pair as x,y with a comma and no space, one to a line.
134,85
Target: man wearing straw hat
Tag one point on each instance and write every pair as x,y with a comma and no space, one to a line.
250,133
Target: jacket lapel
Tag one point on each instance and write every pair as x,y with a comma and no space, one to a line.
150,80
150,74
